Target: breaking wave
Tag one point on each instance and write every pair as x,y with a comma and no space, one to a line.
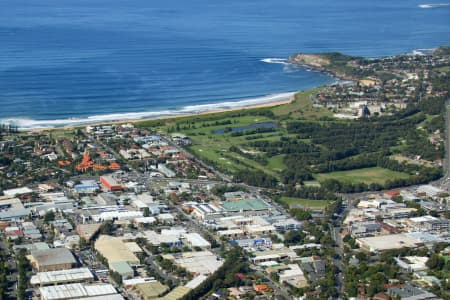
281,61
434,5
26,123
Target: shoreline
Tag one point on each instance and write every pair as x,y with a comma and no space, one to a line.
288,100
290,96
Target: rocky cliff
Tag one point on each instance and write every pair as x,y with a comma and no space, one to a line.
312,60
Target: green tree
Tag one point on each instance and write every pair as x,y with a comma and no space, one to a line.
107,228
146,212
300,214
49,216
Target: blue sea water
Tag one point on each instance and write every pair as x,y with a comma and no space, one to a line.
68,62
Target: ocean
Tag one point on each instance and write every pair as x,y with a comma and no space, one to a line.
74,62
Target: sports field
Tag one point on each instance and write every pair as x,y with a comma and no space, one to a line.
366,175
312,204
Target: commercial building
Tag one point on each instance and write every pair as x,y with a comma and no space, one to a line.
253,243
429,191
196,240
130,283
197,263
259,230
12,209
287,224
273,255
88,231
107,199
196,281
63,276
110,183
294,276
429,223
177,293
167,239
151,290
409,292
79,291
17,192
166,171
134,247
165,218
117,215
247,207
86,187
31,247
144,221
61,225
231,233
362,229
30,231
398,212
387,242
122,268
412,263
52,259
206,211
114,250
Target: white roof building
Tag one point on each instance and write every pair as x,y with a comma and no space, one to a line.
145,220
294,276
196,281
137,280
429,190
387,242
77,291
166,217
117,215
178,232
63,276
412,263
158,239
17,191
202,262
196,240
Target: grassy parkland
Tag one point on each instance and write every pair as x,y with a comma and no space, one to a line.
305,144
365,175
305,203
274,141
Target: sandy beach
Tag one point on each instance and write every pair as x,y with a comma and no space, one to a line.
168,117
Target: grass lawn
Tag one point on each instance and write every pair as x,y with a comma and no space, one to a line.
366,175
276,163
313,183
302,107
217,155
62,134
215,147
312,204
445,69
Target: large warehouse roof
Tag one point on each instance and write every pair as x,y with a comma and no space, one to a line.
114,250
62,276
244,205
53,256
75,291
17,191
388,242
